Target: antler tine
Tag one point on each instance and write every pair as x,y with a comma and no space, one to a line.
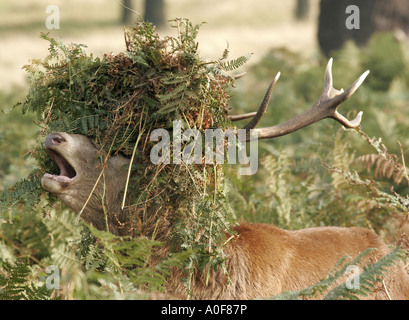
351,90
242,116
328,82
262,110
257,115
325,107
348,93
341,95
238,76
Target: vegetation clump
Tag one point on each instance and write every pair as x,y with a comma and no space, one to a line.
117,101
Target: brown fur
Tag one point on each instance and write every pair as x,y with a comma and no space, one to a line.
262,260
265,260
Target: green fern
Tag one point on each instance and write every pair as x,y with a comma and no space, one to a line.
235,63
383,199
371,275
129,256
16,283
26,192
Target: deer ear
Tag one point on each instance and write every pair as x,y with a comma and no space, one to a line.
118,162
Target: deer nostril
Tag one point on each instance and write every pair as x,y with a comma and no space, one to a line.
57,140
53,140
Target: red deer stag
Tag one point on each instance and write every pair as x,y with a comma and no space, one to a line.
263,260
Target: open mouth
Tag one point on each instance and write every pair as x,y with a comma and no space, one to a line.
67,172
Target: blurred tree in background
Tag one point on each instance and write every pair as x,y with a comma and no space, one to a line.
126,13
374,15
154,12
302,9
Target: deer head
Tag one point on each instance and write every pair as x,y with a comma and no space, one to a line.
80,183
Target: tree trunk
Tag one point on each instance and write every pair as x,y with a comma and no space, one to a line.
392,15
126,13
374,15
302,9
155,12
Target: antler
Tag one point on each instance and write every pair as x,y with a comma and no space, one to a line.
241,116
257,115
325,107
